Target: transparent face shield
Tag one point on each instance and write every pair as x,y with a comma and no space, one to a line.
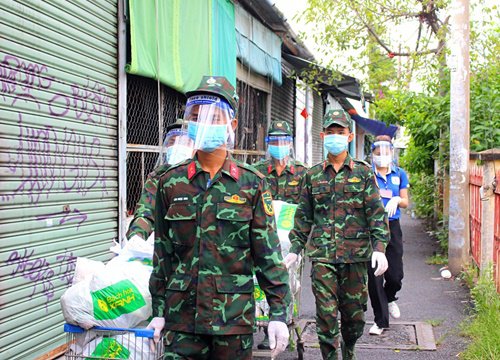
279,148
177,147
209,123
382,154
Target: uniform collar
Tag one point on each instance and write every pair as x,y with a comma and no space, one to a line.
391,170
347,162
229,168
290,167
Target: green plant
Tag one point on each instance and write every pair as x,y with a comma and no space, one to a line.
484,329
469,275
437,259
434,322
421,192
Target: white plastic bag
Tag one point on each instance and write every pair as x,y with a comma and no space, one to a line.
126,346
117,296
86,268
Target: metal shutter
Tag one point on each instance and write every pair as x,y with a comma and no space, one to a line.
317,127
58,159
283,101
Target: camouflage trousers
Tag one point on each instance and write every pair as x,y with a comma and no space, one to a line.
181,345
339,287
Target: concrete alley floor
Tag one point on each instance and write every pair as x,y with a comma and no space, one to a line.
425,297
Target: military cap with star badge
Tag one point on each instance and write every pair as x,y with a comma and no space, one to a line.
337,117
279,127
219,86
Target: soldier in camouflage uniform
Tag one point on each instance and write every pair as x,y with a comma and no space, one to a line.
283,173
214,226
340,207
142,224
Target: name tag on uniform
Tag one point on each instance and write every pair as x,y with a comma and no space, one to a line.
386,193
395,180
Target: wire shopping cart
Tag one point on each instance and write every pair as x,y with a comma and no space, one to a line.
105,343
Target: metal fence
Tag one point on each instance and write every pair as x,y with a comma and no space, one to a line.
475,183
496,234
146,129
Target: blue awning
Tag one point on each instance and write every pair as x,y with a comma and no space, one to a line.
375,127
257,47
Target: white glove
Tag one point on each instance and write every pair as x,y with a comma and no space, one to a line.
278,336
379,260
290,259
157,324
392,205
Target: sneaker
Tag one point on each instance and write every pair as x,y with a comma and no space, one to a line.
375,330
394,310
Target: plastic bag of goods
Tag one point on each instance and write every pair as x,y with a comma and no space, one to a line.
117,296
126,346
284,216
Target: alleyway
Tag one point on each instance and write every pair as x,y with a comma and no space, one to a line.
425,298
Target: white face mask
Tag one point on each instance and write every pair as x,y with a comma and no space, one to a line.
382,160
178,153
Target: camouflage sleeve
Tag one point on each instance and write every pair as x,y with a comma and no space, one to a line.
303,217
143,222
161,256
269,267
376,216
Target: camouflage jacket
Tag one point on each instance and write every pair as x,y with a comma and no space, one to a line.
210,237
344,213
143,222
285,187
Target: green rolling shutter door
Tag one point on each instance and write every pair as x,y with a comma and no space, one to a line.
58,159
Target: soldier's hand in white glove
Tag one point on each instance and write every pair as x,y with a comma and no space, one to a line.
157,324
392,205
278,336
290,259
380,261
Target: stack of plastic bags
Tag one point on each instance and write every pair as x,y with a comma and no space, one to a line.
284,214
113,295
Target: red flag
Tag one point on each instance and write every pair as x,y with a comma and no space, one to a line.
304,113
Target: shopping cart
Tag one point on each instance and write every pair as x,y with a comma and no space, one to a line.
105,343
294,326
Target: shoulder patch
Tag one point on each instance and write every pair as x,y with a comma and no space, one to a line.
360,162
250,168
267,202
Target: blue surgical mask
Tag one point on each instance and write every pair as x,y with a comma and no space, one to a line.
207,137
335,143
279,152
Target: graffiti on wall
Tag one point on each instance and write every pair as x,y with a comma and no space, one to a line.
48,158
40,273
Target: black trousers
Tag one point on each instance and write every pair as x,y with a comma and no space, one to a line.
382,289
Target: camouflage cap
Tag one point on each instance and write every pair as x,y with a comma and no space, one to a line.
279,127
339,117
217,85
176,125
